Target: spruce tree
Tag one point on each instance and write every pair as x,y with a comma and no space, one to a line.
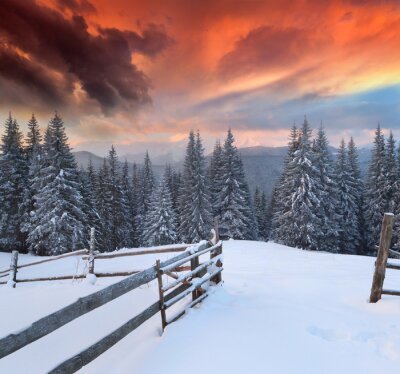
302,224
347,203
104,207
58,222
34,155
128,207
196,212
375,202
147,182
119,224
237,218
215,175
13,181
327,213
355,173
160,227
281,200
260,212
88,187
136,198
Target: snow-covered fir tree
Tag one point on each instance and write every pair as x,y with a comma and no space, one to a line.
88,187
120,228
13,177
327,213
260,211
147,183
58,221
103,207
215,175
236,212
160,227
347,203
195,208
374,198
136,198
34,154
173,180
281,201
128,207
355,172
301,223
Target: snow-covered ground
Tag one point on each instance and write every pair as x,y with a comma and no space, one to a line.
280,310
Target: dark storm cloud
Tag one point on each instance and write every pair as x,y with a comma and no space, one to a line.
100,63
268,48
77,6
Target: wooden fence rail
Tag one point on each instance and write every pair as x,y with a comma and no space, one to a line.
179,292
54,321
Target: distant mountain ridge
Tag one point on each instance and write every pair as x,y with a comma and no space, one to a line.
263,165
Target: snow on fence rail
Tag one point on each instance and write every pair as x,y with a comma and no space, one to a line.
54,321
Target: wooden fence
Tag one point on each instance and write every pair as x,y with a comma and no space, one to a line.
382,263
181,287
87,254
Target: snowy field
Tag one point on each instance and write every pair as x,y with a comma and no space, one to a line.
280,310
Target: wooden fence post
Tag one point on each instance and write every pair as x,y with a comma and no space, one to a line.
194,263
91,251
382,257
14,268
161,295
218,278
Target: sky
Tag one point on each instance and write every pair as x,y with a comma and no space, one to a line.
141,74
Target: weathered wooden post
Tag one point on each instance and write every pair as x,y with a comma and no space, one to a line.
161,295
194,263
382,257
217,252
13,269
92,245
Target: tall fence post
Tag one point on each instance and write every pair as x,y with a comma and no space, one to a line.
382,257
218,278
13,268
91,251
161,295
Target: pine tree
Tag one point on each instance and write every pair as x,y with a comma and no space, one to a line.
260,212
88,187
327,213
301,223
104,207
347,203
281,200
173,180
196,215
119,225
160,228
58,221
34,155
13,179
215,175
147,182
375,202
236,212
136,198
355,173
128,206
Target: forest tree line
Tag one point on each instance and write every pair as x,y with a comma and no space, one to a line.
320,202
324,204
48,204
